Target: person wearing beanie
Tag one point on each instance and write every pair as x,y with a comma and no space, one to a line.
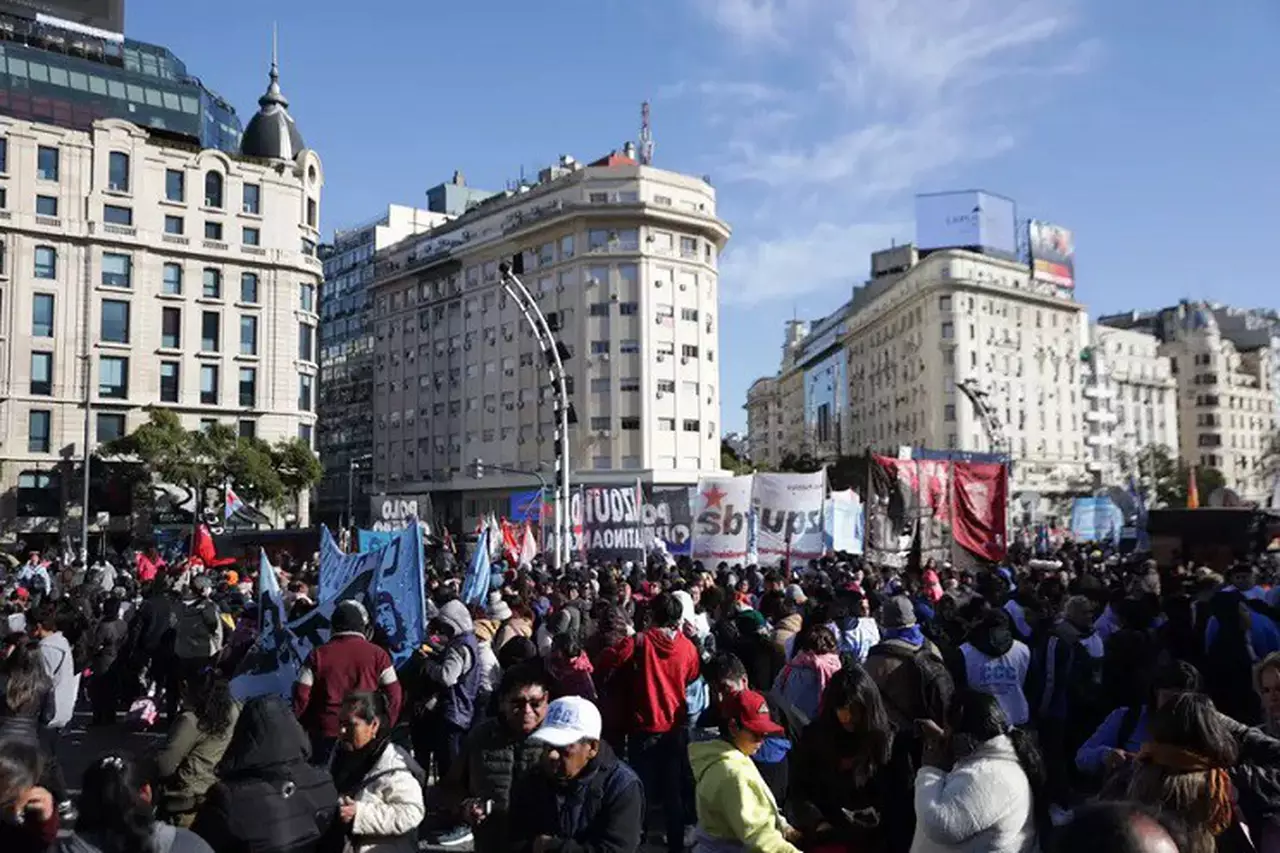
348,663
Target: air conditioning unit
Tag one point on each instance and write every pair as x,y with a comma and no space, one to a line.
521,404
507,336
657,284
684,287
613,297
659,395
592,282
684,359
661,358
604,357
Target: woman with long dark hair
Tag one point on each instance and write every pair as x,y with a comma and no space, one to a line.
26,695
186,766
980,787
851,772
28,819
116,814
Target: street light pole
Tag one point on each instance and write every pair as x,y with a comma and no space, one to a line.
88,418
537,321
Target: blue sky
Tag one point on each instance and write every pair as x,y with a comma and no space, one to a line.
1148,128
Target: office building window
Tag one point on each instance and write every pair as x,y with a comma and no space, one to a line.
42,373
210,331
213,230
249,287
252,199
174,225
169,381
47,163
213,189
306,342
251,236
304,434
46,262
114,327
171,283
248,334
307,297
248,429
667,424
212,283
113,377
46,205
248,387
209,384
117,270
171,328
312,215
39,422
304,392
110,426
118,171
175,185
42,315
4,155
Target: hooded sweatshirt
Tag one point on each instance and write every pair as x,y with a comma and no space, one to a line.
647,675
55,651
996,663
458,669
736,809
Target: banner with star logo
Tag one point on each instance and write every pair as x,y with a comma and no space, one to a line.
721,513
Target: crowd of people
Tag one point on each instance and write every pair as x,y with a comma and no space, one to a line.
1041,705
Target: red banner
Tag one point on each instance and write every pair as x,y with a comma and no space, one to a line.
979,495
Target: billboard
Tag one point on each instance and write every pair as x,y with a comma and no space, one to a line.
826,398
1053,254
107,15
972,219
392,512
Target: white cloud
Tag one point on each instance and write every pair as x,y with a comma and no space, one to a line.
883,97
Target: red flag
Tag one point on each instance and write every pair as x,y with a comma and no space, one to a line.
980,505
206,553
1193,491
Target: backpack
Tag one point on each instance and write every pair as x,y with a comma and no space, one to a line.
921,685
193,637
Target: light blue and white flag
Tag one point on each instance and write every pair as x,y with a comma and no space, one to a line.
475,587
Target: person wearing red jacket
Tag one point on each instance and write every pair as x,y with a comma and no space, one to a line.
645,678
348,663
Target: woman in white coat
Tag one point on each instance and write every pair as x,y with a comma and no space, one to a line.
379,784
980,787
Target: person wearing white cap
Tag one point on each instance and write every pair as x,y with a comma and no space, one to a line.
585,797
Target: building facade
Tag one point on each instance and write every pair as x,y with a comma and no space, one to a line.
142,270
622,260
1224,362
345,437
951,350
1131,403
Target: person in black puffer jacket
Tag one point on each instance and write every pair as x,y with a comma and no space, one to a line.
269,798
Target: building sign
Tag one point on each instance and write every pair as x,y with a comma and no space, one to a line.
100,18
973,219
1053,254
392,512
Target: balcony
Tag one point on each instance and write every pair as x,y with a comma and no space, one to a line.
1100,416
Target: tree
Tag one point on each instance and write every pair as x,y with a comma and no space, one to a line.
731,461
1159,473
264,475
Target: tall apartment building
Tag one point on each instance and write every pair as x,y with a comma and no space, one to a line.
141,269
345,432
776,424
1131,402
953,350
1225,364
622,258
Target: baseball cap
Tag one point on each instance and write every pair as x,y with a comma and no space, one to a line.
750,711
569,719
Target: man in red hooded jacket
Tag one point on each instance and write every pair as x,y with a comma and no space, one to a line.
646,677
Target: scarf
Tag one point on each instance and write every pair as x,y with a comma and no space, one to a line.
350,767
1179,761
825,666
910,634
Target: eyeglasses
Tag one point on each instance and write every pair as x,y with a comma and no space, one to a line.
520,703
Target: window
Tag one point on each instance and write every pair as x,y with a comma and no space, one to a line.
599,423
599,347
42,373
248,335
114,328
252,199
949,412
175,185
628,309
666,386
311,212
117,270
248,387
689,314
110,427
4,154
598,309
248,429
306,342
169,381
210,331
171,328
688,247
114,214
42,315
212,283
566,247
629,346
689,350
601,385
46,262
666,424
249,287
207,424
944,303
209,384
174,225
304,392
172,281
46,205
597,239
213,189
39,422
47,163
213,230
690,425
304,434
251,236
118,171
948,331
113,377
307,297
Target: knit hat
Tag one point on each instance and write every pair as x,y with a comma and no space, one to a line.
897,612
498,608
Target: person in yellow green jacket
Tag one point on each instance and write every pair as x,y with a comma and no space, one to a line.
736,809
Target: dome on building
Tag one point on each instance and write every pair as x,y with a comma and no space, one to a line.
271,133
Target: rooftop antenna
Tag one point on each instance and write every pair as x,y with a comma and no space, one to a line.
646,136
275,49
